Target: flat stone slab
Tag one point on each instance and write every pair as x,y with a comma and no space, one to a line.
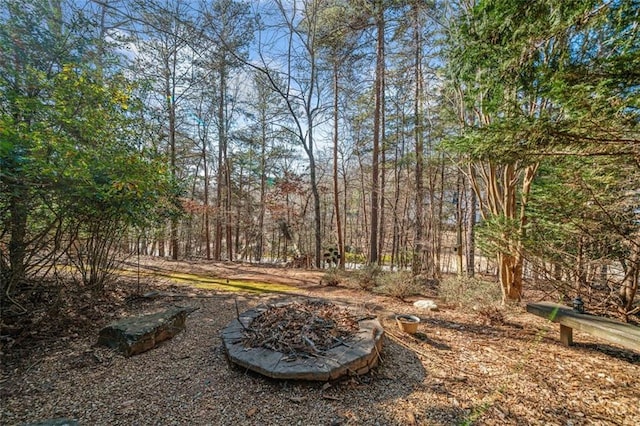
135,335
356,356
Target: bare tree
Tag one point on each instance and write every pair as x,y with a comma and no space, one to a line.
299,87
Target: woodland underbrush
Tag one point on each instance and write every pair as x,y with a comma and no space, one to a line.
468,292
49,310
398,284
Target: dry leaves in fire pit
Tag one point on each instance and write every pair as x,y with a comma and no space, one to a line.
307,328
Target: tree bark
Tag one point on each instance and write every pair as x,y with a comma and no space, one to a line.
510,276
377,117
263,186
629,286
419,142
170,93
471,233
17,243
207,224
336,188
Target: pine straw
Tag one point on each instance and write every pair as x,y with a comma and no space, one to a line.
295,329
460,368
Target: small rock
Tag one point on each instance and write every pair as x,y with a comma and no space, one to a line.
426,304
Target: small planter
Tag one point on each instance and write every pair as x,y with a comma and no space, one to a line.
408,323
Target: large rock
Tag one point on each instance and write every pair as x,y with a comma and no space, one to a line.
135,335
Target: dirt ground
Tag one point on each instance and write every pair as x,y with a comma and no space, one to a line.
462,367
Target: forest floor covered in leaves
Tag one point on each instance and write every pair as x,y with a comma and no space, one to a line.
462,367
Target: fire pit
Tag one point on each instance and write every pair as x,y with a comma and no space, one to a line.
312,340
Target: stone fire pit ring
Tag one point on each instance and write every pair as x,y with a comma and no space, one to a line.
357,356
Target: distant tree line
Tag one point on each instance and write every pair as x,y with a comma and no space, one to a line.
432,136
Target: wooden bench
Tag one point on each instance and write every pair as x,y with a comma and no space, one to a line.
626,335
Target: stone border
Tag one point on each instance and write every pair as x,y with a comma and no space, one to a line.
356,357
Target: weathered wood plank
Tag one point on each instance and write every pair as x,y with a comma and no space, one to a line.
626,335
566,335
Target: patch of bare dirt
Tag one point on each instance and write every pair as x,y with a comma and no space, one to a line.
485,368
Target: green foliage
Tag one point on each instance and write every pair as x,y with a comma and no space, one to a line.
548,74
497,234
71,177
550,83
584,217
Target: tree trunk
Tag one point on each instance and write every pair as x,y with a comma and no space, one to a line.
383,171
336,189
222,179
207,225
170,87
399,152
437,225
377,117
629,286
510,276
228,211
316,207
263,188
419,142
17,243
471,233
458,203
581,269
501,201
217,251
